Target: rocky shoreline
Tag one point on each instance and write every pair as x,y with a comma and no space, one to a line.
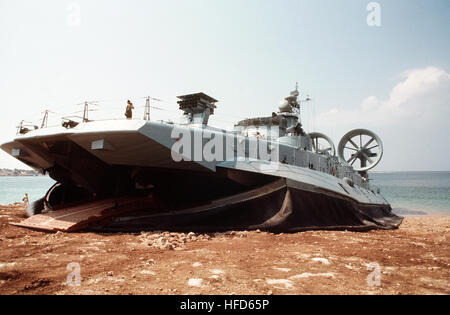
17,172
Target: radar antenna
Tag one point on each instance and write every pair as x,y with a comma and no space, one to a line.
291,104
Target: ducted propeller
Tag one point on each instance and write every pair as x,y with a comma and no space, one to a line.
322,144
362,146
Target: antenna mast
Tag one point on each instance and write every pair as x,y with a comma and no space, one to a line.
19,128
45,120
86,112
147,110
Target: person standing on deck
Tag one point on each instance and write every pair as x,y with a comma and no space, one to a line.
129,110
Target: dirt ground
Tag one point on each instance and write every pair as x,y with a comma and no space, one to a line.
414,259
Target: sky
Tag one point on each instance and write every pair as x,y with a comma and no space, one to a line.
392,78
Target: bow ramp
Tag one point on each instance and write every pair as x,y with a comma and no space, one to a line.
83,216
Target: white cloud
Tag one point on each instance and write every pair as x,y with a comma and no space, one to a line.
413,121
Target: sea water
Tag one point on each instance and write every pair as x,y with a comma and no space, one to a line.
415,192
13,189
407,192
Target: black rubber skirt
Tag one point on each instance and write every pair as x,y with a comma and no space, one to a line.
276,207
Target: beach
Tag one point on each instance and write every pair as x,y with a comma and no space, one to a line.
415,259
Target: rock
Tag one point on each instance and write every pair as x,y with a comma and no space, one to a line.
195,282
148,272
321,260
217,271
308,275
281,283
282,269
167,247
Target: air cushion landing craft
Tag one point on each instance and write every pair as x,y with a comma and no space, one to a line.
267,173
